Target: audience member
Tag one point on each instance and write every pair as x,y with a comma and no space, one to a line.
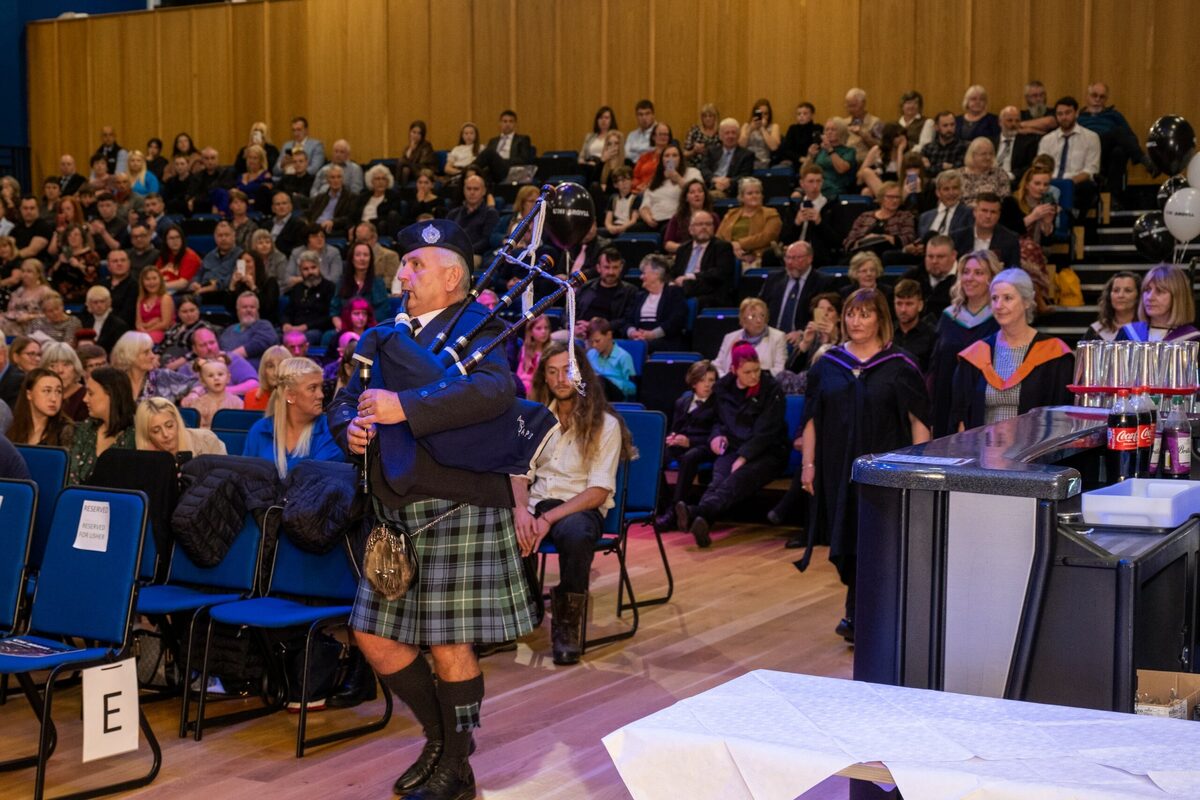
568,491
917,126
658,314
687,439
641,139
592,149
1014,370
142,253
25,352
811,222
175,186
1036,117
11,377
218,266
313,149
379,203
1118,143
107,326
352,173
935,275
702,136
727,163
988,234
177,341
204,346
63,361
612,160
693,198
534,343
607,295
1166,311
142,180
835,158
887,228
286,228
705,267
788,292
101,180
309,307
1076,152
116,158
78,265
801,135
134,355
661,198
31,232
251,335
361,280
914,332
260,137
752,227
69,180
646,166
466,151
761,134
980,174
770,343
950,216
748,439
111,407
271,263
108,226
864,272
865,396
297,179
258,399
39,417
294,427
419,154
612,364
208,188
92,356
1015,149
1117,308
158,425
947,150
475,216
965,321
333,208
156,308
822,332
623,205
213,394
976,121
25,304
239,219
331,259
508,149
54,323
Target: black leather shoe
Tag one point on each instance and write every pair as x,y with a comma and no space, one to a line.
422,769
664,522
451,780
774,517
700,531
491,648
359,685
797,542
845,629
683,517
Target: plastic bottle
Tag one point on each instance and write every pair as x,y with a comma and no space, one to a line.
1122,453
1177,442
1147,414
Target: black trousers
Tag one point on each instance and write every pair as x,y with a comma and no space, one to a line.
729,488
690,459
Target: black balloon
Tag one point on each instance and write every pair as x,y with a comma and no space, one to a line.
1170,187
1171,143
569,216
1151,237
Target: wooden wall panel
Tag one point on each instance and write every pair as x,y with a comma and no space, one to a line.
364,69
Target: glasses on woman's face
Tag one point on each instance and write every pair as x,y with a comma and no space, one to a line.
754,316
892,196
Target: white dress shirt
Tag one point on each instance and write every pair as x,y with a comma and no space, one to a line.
1083,155
560,471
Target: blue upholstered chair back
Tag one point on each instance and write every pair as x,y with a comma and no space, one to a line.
18,503
87,593
649,432
48,468
327,577
236,570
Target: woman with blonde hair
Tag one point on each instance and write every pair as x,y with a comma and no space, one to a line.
157,425
294,427
142,180
134,355
976,121
752,227
980,173
259,398
1167,309
156,308
25,304
702,135
256,181
259,137
965,321
612,158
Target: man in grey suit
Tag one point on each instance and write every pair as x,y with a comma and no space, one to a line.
313,148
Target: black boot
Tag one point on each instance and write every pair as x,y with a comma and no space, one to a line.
451,780
423,768
566,626
358,685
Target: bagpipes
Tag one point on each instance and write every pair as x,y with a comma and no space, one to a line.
510,442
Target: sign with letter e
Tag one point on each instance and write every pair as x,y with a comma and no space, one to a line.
110,710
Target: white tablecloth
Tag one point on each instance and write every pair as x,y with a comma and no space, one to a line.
774,735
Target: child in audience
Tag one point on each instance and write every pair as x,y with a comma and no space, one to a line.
622,207
214,378
613,364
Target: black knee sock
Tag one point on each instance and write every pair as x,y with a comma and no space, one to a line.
414,686
460,702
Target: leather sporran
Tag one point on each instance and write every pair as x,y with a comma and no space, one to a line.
390,561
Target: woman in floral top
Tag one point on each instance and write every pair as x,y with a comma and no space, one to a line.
111,408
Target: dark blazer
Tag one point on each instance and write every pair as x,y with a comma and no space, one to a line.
114,328
741,165
521,151
1004,244
697,424
822,236
1025,149
962,217
671,315
620,305
341,212
773,290
71,185
124,300
10,385
290,236
1046,385
713,285
391,202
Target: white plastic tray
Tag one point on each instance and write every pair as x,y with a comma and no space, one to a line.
1142,502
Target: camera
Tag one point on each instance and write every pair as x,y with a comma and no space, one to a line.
759,115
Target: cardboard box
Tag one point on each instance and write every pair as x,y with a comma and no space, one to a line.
1154,689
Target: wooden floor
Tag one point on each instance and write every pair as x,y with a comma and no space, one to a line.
738,606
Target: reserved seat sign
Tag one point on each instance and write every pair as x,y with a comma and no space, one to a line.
92,533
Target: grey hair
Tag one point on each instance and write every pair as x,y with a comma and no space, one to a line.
311,256
657,264
1019,280
380,169
747,183
259,235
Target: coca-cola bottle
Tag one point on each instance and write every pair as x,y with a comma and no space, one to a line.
1147,416
1121,458
1177,442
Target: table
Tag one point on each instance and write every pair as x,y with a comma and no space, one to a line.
774,735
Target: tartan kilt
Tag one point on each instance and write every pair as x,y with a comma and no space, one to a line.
471,587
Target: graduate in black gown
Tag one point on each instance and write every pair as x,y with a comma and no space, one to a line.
965,321
1015,370
864,396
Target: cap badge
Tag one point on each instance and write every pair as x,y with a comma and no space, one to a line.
430,234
